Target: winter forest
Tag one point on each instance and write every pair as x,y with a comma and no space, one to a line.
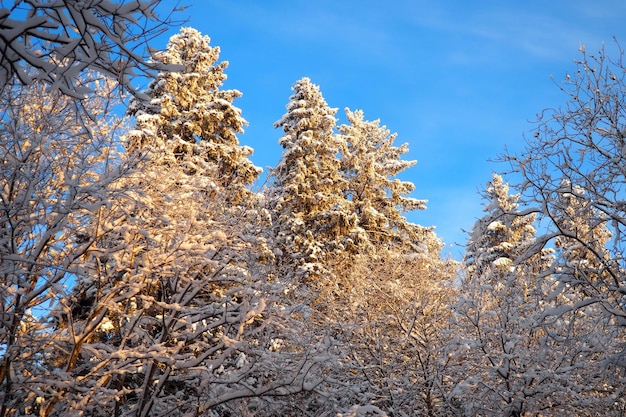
143,271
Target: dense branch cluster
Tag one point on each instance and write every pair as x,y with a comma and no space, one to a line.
56,41
141,275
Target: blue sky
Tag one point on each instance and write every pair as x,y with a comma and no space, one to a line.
458,80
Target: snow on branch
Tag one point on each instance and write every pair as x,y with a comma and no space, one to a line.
56,41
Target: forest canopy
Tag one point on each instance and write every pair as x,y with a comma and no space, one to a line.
143,274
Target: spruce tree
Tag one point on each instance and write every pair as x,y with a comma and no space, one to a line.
190,108
169,317
370,163
312,218
377,297
500,237
518,351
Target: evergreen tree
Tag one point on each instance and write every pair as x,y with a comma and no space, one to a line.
376,302
517,353
190,108
168,318
370,161
312,218
501,236
314,234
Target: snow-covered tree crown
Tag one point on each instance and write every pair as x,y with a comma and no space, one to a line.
311,148
311,215
370,162
498,238
189,109
307,111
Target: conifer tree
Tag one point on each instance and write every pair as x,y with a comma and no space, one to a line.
386,326
168,318
500,237
516,354
495,301
312,218
190,108
314,231
370,163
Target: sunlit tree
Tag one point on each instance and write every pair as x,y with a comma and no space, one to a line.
312,218
376,306
171,315
396,315
59,163
191,108
370,163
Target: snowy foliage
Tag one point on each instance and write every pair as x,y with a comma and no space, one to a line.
141,276
501,236
354,263
370,163
573,172
56,41
167,307
312,218
59,167
578,153
518,352
363,411
395,315
173,319
189,108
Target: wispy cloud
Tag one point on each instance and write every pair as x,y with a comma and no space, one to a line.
534,30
